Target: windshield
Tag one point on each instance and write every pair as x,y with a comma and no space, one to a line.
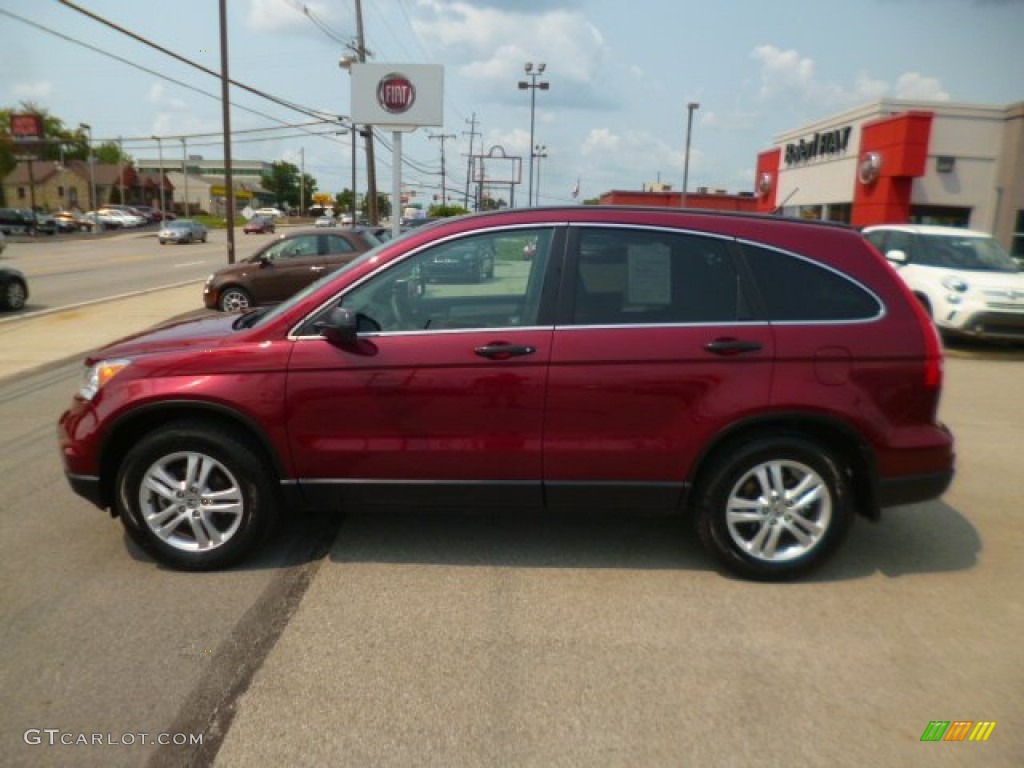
286,305
978,254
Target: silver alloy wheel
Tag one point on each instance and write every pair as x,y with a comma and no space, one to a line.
191,501
234,300
15,295
779,511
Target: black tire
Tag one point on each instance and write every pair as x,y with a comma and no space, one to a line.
748,520
13,295
224,470
234,299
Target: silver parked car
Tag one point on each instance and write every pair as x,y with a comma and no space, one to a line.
182,231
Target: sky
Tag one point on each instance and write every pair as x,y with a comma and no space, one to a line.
620,75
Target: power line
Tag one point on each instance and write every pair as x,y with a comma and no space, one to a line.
139,38
142,68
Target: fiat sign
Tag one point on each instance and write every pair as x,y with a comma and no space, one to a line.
401,97
396,93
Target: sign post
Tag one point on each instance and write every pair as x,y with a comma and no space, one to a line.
402,97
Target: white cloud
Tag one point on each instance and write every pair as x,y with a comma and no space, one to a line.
788,76
913,85
40,91
632,158
278,15
494,44
158,95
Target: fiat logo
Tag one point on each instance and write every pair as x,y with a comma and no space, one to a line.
396,93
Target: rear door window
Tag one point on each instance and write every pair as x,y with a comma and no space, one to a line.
795,289
636,276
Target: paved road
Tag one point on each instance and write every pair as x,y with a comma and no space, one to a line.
494,641
69,271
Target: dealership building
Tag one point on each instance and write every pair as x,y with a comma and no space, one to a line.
890,161
901,161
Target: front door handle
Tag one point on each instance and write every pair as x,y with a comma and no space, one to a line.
727,347
500,351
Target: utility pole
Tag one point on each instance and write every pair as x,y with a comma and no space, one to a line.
371,165
444,186
229,181
472,133
302,181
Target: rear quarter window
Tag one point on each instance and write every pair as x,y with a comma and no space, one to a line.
793,288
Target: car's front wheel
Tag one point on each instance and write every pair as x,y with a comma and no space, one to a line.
13,296
196,497
235,299
773,508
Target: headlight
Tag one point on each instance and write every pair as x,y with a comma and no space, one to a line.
98,375
954,284
210,279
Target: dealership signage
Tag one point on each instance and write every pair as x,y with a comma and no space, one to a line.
820,145
401,97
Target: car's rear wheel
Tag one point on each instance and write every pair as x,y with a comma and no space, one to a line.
773,508
196,497
13,296
235,299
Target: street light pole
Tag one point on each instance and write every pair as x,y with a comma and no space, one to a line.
533,85
184,174
92,174
686,157
539,151
160,149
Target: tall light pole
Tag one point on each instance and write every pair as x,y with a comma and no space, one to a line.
160,149
120,169
184,173
92,172
533,85
352,133
539,151
686,157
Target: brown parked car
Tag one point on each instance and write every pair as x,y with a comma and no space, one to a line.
288,264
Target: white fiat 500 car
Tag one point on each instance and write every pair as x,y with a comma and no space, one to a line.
965,280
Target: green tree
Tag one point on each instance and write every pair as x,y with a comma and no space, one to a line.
282,182
443,211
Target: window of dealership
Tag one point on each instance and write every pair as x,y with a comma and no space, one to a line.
901,161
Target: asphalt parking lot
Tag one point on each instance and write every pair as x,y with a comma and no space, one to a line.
500,640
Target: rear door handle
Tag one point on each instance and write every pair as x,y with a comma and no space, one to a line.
500,351
726,347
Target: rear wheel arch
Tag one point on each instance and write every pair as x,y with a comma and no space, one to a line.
131,428
849,448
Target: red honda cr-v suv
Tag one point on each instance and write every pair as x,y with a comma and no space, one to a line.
768,377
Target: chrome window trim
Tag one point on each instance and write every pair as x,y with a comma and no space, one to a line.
440,331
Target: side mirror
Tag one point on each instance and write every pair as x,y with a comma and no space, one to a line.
899,257
340,327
